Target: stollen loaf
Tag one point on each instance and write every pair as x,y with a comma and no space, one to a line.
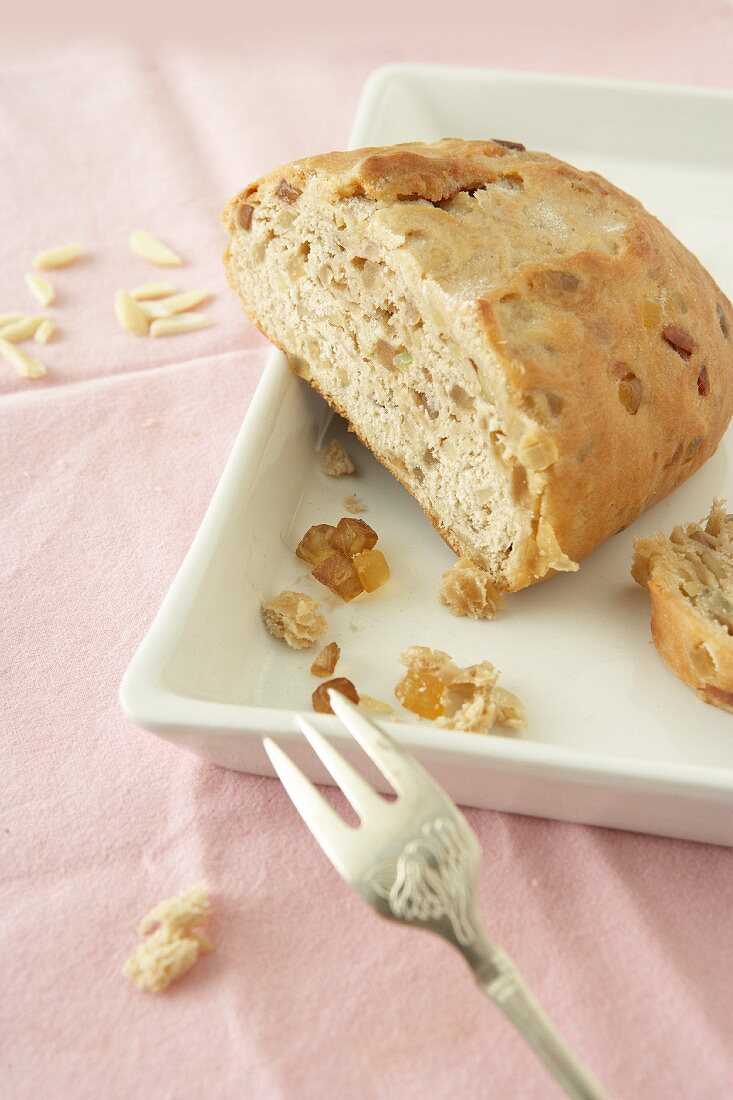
527,349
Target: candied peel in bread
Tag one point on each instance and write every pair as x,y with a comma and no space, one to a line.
689,575
526,348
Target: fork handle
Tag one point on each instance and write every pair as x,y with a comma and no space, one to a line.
501,982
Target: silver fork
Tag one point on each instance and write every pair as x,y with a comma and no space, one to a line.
416,860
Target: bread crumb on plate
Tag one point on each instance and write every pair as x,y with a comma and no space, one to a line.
467,699
467,589
353,504
335,461
173,942
295,618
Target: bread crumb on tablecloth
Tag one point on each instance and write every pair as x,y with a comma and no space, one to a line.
173,942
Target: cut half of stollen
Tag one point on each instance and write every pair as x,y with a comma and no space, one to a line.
532,354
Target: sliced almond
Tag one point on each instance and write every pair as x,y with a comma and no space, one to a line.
369,703
8,318
21,330
180,303
58,257
182,322
45,331
26,365
149,291
153,251
41,289
153,310
130,314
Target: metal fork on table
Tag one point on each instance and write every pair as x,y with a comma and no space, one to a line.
416,860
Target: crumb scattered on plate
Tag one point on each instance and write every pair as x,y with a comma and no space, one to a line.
467,589
465,699
295,618
335,461
173,942
353,504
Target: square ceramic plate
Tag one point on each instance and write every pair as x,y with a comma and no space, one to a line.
614,738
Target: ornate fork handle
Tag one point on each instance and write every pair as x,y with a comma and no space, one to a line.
502,983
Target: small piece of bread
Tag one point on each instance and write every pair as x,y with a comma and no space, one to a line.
456,698
527,349
295,618
174,940
467,589
149,248
58,257
354,505
41,288
335,461
689,575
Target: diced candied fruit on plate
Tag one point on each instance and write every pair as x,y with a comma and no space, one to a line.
352,536
422,693
315,545
371,565
339,574
322,703
326,660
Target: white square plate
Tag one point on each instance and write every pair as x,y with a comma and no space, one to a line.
614,738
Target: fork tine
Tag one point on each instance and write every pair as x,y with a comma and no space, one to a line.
360,794
330,830
398,766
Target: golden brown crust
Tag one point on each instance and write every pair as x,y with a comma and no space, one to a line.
610,335
692,641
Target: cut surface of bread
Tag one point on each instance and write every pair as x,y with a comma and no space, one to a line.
533,355
689,575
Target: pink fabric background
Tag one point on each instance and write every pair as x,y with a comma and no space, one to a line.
628,940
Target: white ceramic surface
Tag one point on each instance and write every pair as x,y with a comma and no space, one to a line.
613,737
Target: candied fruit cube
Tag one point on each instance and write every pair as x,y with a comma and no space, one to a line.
326,660
422,693
339,574
315,545
352,536
371,565
322,703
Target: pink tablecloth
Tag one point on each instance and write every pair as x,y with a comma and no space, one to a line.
107,466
